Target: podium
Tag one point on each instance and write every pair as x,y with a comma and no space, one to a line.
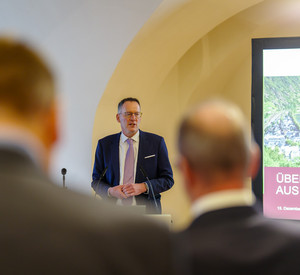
165,219
162,218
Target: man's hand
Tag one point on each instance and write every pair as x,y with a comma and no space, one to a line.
133,189
117,192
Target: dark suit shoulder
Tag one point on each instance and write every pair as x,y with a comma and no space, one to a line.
143,134
110,138
151,136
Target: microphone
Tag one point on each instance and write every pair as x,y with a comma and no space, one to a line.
101,177
64,172
150,187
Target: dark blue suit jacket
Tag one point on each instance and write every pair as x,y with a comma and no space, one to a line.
157,167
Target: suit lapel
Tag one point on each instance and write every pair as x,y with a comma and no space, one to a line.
115,157
140,161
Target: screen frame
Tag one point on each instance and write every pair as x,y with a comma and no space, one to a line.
258,46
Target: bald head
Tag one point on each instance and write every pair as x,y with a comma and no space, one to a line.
213,138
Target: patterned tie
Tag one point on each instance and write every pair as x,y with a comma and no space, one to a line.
129,169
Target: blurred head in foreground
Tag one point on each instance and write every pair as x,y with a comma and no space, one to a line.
46,229
26,96
216,149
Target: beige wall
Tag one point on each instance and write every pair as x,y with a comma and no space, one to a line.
186,52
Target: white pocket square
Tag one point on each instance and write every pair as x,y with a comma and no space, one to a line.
151,156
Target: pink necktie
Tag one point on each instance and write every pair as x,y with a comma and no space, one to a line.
129,169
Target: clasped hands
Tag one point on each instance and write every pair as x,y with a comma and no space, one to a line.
127,190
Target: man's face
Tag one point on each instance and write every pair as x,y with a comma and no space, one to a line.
129,119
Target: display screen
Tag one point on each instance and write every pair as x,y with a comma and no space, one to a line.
279,133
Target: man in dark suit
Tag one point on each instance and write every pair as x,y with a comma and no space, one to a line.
150,159
227,235
46,229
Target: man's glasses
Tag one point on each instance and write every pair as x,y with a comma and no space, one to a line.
130,114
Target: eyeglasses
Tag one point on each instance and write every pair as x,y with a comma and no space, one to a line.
129,114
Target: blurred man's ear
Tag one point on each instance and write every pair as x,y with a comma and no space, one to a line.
50,125
53,123
43,124
118,117
188,175
254,161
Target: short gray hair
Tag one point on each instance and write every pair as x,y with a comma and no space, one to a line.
209,149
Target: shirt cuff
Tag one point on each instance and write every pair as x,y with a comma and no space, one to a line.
147,187
108,195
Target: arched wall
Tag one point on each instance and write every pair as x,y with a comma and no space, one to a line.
187,52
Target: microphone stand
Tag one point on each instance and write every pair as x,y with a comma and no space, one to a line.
101,177
150,187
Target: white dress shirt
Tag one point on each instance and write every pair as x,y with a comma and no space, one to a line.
222,199
123,147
